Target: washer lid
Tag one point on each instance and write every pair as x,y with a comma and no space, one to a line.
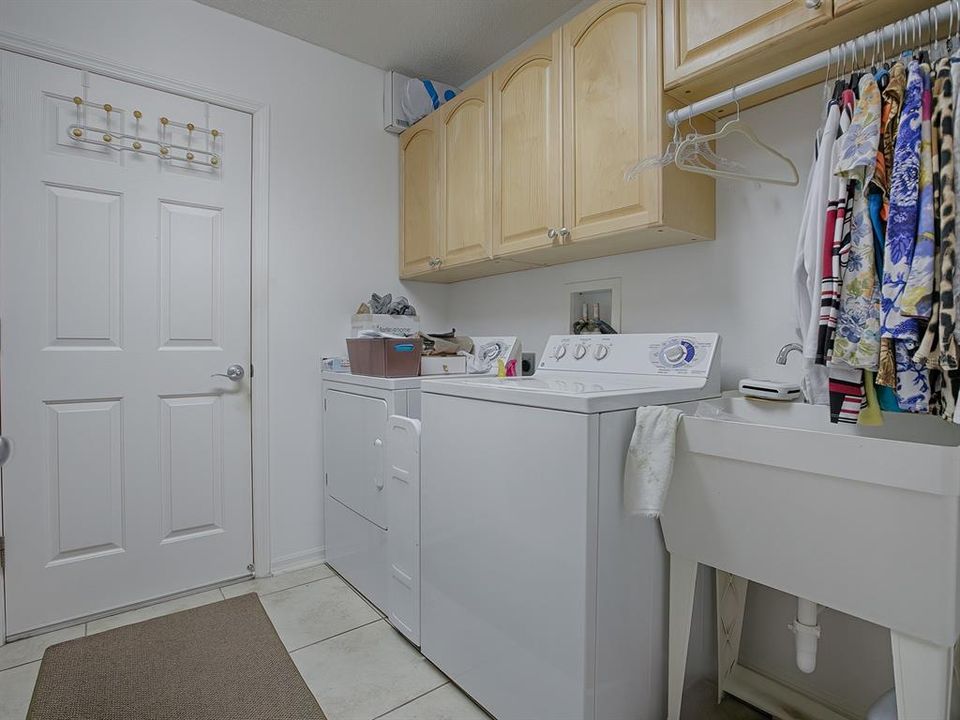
574,392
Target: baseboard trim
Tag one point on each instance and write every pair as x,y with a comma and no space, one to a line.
298,560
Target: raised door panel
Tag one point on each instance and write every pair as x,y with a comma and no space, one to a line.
612,109
419,245
527,146
702,35
466,180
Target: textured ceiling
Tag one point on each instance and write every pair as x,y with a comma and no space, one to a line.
447,40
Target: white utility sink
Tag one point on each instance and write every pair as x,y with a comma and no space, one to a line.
862,520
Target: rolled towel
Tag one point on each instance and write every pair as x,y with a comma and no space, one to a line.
649,464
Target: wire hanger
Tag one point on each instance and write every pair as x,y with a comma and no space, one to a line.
691,160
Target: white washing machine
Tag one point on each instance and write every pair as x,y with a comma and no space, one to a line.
540,596
356,422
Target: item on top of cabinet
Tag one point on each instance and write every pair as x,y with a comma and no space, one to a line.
385,357
406,99
769,389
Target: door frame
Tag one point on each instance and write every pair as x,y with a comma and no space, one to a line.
259,250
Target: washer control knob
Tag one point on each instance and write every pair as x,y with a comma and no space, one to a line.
601,352
675,353
579,351
559,352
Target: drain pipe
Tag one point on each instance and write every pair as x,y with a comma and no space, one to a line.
808,634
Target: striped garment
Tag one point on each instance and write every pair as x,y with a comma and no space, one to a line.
837,228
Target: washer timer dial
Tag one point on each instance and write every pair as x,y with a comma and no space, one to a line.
675,353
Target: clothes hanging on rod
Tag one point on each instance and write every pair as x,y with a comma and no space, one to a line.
878,234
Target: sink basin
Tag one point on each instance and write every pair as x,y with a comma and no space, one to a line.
862,520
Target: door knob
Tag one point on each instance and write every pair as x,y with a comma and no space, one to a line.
5,449
234,372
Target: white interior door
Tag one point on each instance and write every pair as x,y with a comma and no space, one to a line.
124,285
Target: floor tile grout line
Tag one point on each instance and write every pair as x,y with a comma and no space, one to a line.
20,665
317,642
443,684
308,582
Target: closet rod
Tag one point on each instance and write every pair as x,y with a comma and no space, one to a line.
916,24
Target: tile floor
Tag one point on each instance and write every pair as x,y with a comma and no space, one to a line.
356,664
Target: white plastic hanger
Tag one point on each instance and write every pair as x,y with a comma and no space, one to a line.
669,155
690,159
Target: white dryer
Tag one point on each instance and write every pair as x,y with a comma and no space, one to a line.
540,596
356,430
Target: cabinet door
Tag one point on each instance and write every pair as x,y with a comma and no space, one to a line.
527,145
354,429
611,116
466,175
419,217
703,35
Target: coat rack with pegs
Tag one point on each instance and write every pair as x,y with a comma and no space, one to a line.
203,145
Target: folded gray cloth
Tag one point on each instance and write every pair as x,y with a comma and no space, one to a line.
386,305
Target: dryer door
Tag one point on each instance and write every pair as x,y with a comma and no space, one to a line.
354,440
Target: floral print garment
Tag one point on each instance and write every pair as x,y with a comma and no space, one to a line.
912,381
886,378
857,340
917,298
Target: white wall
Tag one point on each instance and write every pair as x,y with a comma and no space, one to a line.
740,286
333,197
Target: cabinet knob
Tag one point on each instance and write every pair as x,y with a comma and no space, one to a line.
813,4
564,233
553,234
435,262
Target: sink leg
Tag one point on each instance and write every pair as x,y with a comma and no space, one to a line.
683,585
923,673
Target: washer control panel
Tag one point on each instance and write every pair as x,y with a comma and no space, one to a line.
680,354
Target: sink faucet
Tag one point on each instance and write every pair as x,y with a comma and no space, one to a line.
786,350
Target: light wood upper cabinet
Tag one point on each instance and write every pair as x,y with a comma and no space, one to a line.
466,176
419,196
712,45
527,166
702,35
612,116
543,144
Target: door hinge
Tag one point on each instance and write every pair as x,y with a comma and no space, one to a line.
324,404
326,479
251,371
3,553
